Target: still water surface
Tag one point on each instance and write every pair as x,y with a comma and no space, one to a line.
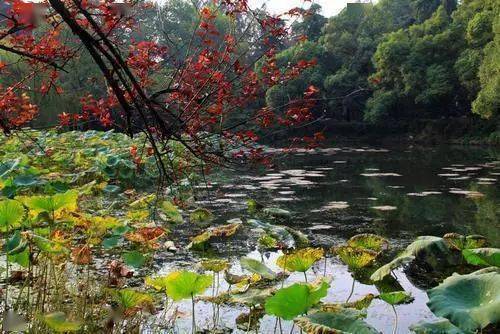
335,193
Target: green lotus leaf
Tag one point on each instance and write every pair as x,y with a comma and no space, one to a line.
7,167
297,299
482,256
47,245
22,258
460,242
333,323
26,180
215,265
200,242
171,212
134,259
257,267
355,258
143,202
469,302
300,260
58,322
386,269
396,297
185,284
52,204
15,244
201,215
369,241
440,326
130,298
267,241
158,283
282,234
253,205
11,214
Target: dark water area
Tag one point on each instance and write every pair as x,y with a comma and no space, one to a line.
335,193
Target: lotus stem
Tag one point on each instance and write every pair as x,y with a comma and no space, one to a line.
324,268
352,290
281,329
249,320
305,276
193,315
395,330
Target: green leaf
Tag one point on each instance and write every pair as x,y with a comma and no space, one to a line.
334,323
48,246
440,326
295,300
482,256
130,298
355,258
171,212
22,258
58,322
201,215
15,244
469,302
396,298
461,242
386,269
110,242
25,180
257,267
134,259
277,213
252,297
54,203
11,214
185,284
300,260
369,241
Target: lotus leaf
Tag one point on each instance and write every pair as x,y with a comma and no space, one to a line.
355,258
440,326
277,213
171,212
201,215
215,265
268,242
482,256
369,241
186,284
11,214
333,323
470,301
300,260
396,297
52,204
252,297
461,242
134,259
360,304
130,298
297,299
257,267
58,322
386,269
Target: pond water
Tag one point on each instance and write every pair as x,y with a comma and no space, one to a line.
335,193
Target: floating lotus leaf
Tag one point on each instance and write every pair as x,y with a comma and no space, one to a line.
333,323
171,212
280,233
257,267
369,241
268,242
482,256
11,214
440,326
355,258
240,279
396,297
58,322
158,283
297,299
201,215
52,204
250,321
185,284
202,241
300,260
460,242
215,265
134,259
252,297
470,301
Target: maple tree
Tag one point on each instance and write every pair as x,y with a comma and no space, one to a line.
193,103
